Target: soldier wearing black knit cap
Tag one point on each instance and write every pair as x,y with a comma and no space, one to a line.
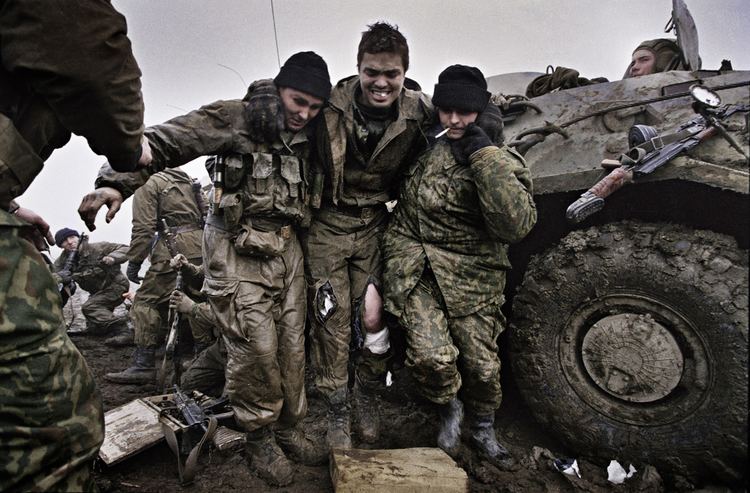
463,200
253,264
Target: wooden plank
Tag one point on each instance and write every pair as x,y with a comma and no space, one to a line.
410,470
131,428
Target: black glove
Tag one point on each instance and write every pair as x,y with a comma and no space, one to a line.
264,111
474,139
65,277
491,121
132,272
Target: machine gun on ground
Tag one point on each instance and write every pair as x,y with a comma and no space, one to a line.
171,349
649,151
201,420
68,289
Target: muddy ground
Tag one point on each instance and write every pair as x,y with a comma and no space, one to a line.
407,421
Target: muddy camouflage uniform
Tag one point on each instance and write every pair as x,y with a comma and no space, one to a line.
105,283
445,262
51,421
265,195
166,195
342,247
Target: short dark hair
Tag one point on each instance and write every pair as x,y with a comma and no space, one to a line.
383,37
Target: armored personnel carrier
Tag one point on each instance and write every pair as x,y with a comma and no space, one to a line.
629,316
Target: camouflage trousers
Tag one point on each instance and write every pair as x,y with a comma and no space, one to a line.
51,419
98,308
344,252
262,323
206,372
151,306
451,356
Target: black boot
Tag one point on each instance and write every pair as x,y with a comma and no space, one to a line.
300,448
484,439
449,435
339,421
266,458
141,372
366,410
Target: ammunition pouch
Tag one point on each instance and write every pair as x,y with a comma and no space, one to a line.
19,164
253,242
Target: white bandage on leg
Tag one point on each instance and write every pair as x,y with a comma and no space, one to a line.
378,342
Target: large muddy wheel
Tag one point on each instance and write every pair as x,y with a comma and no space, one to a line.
629,341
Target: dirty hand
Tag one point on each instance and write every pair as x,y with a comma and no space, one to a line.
132,272
93,201
107,260
264,111
37,222
474,139
181,302
178,262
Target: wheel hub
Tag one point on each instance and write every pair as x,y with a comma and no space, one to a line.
632,357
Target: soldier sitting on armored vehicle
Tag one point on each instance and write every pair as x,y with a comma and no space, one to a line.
95,267
654,56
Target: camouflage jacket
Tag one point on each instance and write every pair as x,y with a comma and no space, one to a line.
375,183
89,272
47,90
460,219
269,180
166,195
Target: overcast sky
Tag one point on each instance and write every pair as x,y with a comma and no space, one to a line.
183,47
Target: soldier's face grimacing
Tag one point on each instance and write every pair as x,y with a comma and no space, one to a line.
643,63
456,121
381,78
70,243
299,108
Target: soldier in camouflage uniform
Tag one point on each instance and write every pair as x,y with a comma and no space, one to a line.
51,421
170,196
462,201
253,261
97,271
371,127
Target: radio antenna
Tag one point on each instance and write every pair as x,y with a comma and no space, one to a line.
275,35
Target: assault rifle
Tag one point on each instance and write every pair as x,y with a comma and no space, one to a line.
170,352
67,290
649,151
201,420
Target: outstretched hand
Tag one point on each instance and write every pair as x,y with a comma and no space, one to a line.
93,201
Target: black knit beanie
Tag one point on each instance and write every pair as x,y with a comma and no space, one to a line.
63,235
306,71
461,87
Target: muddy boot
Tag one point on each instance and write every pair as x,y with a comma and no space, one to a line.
124,338
449,435
266,458
484,439
339,419
300,448
366,410
142,371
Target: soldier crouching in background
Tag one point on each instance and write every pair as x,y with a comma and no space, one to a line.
95,268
